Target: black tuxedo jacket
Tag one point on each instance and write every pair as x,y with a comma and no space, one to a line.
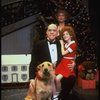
40,53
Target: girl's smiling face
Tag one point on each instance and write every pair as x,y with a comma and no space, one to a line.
66,36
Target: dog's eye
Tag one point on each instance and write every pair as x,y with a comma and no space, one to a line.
49,64
43,65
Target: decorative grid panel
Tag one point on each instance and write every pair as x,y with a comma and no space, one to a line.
16,11
5,2
11,13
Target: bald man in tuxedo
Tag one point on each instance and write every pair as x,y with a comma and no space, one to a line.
49,49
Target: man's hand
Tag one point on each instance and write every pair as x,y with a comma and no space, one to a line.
71,66
54,64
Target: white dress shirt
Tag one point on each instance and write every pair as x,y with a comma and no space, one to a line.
53,52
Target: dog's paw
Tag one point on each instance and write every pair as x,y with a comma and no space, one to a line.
28,98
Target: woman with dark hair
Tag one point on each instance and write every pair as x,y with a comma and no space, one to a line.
62,17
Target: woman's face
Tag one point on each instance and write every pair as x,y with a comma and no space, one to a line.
61,17
66,36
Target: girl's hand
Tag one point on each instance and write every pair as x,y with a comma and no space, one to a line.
61,41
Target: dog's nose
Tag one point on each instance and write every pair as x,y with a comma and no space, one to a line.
46,70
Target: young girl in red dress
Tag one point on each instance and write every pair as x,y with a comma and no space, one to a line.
68,49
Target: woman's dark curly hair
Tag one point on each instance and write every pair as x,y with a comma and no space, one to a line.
67,15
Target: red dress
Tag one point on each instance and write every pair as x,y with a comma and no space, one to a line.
62,67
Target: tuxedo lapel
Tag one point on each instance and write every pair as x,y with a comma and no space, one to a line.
44,55
59,51
46,50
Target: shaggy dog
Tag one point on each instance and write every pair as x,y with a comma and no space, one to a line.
43,83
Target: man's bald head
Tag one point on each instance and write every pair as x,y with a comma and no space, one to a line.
52,32
52,26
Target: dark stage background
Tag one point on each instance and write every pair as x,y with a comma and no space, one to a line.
85,19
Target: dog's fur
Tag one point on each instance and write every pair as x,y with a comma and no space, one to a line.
43,83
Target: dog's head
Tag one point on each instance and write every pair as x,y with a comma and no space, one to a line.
45,70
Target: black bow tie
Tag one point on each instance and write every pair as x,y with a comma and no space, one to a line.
52,42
